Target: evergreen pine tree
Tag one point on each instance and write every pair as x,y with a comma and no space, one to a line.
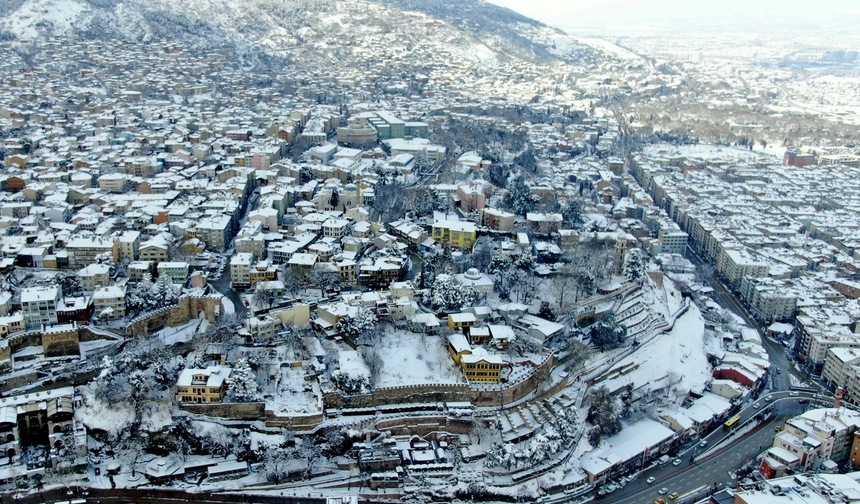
242,384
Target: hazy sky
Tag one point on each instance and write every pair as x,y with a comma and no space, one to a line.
615,16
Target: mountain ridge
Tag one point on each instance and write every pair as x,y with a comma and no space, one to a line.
305,32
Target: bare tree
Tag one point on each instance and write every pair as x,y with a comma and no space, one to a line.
131,451
309,451
264,295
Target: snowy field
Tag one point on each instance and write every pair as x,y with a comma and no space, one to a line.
703,151
408,358
294,394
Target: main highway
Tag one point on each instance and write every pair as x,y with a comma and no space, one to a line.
714,465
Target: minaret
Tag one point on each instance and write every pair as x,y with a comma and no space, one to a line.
620,254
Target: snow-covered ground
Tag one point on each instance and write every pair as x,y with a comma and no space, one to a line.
294,394
180,334
40,16
408,358
677,357
703,151
96,414
227,306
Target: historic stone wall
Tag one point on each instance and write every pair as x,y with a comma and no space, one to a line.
61,343
238,411
188,308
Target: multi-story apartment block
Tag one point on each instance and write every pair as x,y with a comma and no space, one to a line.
335,228
94,275
39,305
217,232
347,270
129,245
113,182
768,299
251,244
154,251
240,270
85,251
738,264
137,269
472,196
819,435
672,241
842,369
543,223
497,219
177,271
202,386
109,302
818,332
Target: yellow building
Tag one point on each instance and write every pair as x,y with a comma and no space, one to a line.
346,267
455,234
458,346
202,386
476,363
484,368
263,271
461,320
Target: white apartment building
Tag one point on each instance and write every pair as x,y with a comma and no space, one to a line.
819,435
129,245
109,302
177,271
39,305
94,275
240,270
672,241
769,299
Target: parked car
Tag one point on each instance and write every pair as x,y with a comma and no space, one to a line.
676,462
703,444
757,405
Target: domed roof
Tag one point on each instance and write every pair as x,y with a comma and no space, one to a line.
472,274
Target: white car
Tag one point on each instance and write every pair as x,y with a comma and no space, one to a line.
757,405
676,462
650,480
703,444
663,490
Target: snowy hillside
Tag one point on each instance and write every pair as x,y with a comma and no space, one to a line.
329,32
